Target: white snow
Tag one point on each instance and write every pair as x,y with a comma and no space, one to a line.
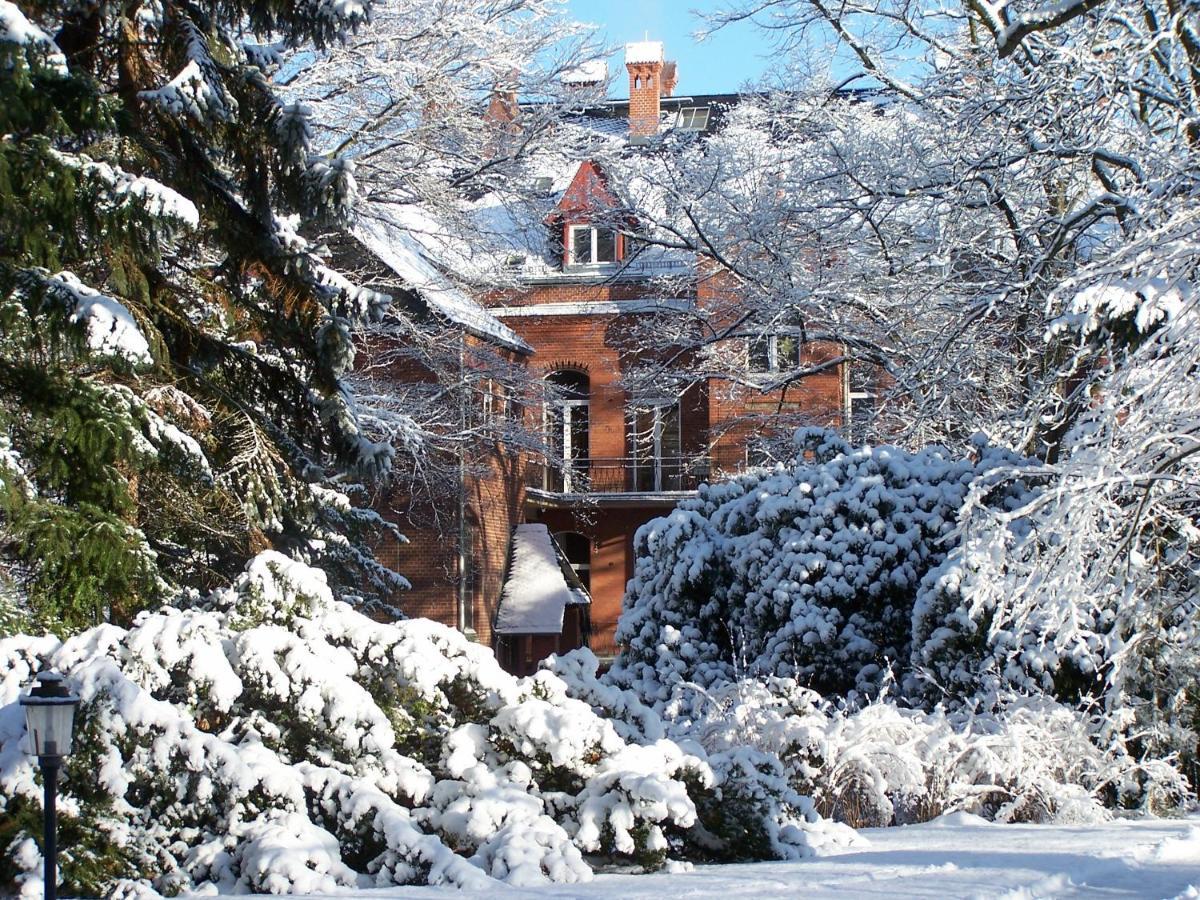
535,593
16,29
126,189
594,71
386,233
108,325
955,856
644,52
190,93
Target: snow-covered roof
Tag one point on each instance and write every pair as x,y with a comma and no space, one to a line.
594,71
644,52
536,591
383,231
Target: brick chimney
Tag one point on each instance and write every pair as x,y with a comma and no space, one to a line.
502,107
670,78
644,60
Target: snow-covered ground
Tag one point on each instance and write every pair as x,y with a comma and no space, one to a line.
956,856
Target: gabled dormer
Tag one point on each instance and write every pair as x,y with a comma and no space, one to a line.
588,223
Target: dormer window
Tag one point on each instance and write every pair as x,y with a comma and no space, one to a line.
692,118
592,245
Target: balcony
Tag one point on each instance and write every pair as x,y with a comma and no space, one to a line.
619,476
534,271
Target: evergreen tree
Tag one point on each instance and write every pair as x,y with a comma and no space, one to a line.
172,350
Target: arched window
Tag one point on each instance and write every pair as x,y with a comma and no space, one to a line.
566,423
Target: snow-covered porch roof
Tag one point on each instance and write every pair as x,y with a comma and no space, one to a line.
539,587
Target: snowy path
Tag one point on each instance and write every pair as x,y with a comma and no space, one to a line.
957,857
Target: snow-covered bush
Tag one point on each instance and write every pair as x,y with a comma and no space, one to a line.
1085,583
1033,759
750,806
808,570
273,739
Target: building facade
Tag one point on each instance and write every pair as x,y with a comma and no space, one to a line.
541,547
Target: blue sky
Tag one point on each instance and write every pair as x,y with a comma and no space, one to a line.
722,64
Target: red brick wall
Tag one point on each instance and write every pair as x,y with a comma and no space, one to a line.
429,560
494,494
494,509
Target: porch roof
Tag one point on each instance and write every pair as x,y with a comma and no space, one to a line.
539,587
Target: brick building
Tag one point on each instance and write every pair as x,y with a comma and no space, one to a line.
535,536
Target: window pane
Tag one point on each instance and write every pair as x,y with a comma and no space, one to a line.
862,378
787,351
606,245
760,349
669,420
692,118
581,245
579,431
569,384
641,448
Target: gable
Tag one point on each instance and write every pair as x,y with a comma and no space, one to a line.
588,193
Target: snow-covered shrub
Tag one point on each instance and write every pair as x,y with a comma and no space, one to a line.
746,804
1030,759
271,738
808,570
1084,584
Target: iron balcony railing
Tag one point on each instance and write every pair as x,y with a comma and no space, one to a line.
620,476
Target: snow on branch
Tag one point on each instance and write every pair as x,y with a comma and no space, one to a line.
197,91
109,328
16,29
158,200
1009,31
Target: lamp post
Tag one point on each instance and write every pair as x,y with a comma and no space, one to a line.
49,718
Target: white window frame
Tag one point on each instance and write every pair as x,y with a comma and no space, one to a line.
660,408
592,260
692,118
773,350
570,458
853,398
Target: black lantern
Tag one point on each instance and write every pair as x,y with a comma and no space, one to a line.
49,719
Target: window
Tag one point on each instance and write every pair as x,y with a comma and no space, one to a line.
861,400
692,118
590,246
497,405
469,576
566,424
777,351
655,446
578,551
489,402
